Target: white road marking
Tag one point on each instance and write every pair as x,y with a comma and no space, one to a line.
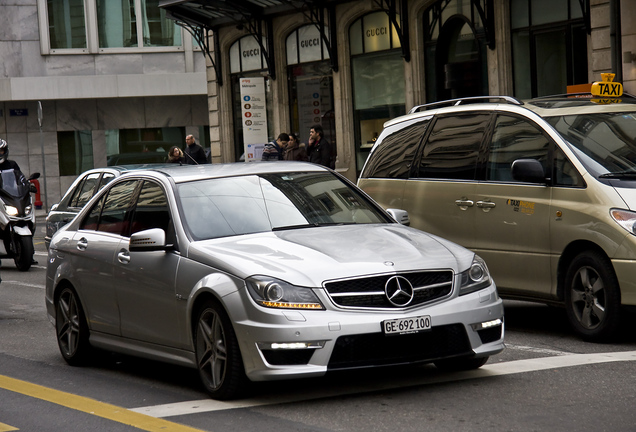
26,284
536,350
41,253
488,370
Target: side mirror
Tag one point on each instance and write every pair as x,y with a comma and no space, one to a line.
148,240
401,216
34,176
528,170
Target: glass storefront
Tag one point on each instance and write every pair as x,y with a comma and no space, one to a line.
133,146
377,69
310,84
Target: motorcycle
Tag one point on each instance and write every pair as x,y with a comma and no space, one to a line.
17,217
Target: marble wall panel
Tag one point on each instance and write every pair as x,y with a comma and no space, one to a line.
200,115
18,123
76,114
65,183
99,148
49,122
9,23
33,63
158,63
18,144
11,64
122,113
52,165
27,22
47,142
70,65
118,64
22,161
168,111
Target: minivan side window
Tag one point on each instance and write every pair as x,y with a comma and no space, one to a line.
452,148
515,138
565,174
393,156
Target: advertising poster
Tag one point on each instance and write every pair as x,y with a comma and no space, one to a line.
254,116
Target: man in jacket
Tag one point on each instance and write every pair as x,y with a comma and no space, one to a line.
274,150
194,153
319,149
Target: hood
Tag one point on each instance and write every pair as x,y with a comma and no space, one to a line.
309,256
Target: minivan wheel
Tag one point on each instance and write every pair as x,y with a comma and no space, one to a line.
592,297
217,352
71,328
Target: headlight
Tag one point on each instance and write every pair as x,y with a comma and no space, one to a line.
475,278
626,219
278,294
27,210
11,211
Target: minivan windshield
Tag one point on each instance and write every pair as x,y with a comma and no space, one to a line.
604,142
230,206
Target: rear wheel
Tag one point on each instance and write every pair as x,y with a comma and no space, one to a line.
218,356
592,296
71,328
460,363
23,252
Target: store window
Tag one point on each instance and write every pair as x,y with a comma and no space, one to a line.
75,152
67,26
549,46
133,146
107,26
310,83
377,70
252,121
455,50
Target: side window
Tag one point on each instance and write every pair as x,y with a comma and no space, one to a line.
84,191
151,210
452,148
514,138
565,174
106,178
92,218
393,156
115,216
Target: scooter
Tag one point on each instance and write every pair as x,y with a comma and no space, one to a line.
17,217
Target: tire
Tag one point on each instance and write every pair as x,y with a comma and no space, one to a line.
592,297
23,252
71,328
457,364
217,352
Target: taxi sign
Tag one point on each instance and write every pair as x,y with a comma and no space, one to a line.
607,88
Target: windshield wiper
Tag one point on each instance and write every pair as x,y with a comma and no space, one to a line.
311,225
620,174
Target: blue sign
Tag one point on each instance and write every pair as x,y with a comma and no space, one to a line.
246,98
18,112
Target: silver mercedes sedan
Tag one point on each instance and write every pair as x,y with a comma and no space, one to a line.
263,271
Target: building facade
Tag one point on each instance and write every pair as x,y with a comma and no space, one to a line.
352,65
86,83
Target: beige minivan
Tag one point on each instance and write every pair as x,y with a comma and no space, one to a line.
544,190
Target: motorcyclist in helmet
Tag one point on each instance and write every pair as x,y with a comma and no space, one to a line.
5,163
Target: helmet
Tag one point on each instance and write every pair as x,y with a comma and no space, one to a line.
4,150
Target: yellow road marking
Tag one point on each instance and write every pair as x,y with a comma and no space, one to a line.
7,428
91,406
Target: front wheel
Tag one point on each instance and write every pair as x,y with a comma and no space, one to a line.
218,356
457,364
23,252
592,297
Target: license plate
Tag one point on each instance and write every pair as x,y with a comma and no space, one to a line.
406,325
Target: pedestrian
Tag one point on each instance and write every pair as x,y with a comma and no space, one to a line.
175,155
194,153
319,149
295,150
274,150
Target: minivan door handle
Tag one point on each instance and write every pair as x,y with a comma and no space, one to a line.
464,203
486,204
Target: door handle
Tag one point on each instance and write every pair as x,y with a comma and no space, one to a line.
123,256
464,203
82,244
486,204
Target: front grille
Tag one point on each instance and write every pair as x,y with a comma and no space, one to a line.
369,292
376,349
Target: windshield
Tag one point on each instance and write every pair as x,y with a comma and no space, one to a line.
604,142
249,204
14,183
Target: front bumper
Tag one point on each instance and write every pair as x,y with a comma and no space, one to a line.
278,344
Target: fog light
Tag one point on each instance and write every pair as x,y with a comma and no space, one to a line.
487,324
291,345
